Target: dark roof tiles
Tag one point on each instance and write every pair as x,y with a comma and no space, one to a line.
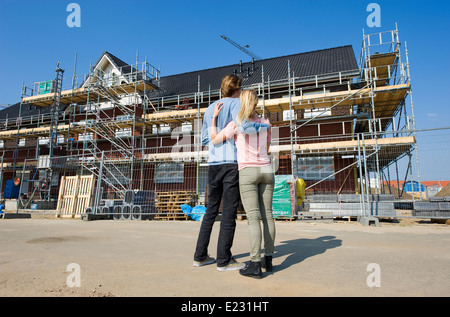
321,62
332,60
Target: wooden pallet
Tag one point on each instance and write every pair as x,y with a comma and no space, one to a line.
75,194
175,197
284,218
176,192
170,216
168,204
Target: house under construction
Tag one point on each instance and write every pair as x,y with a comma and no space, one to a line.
128,137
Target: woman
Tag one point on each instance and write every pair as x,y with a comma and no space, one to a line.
256,179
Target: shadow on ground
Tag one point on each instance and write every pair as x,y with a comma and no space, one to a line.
298,250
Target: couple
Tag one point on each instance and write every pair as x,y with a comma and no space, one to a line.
239,165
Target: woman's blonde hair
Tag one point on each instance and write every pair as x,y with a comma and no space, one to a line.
249,100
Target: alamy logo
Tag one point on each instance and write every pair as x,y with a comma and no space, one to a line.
74,278
374,18
374,278
74,18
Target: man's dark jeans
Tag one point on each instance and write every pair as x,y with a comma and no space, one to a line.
223,185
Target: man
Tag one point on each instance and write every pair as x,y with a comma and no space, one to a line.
223,179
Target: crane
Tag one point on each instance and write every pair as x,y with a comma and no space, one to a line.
246,51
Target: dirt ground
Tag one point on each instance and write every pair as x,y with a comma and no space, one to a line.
154,258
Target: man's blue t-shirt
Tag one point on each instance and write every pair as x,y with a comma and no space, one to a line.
225,152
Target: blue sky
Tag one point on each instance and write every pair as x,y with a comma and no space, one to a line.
180,36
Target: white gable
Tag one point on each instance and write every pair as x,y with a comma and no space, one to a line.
107,72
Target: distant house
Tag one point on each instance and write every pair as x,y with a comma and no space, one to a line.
426,189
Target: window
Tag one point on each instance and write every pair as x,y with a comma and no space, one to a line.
43,140
164,128
86,122
169,173
125,132
186,127
89,136
122,118
312,113
114,79
288,115
315,167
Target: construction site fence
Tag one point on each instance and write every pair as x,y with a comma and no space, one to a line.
408,179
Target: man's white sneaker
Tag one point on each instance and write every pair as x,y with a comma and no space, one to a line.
231,266
206,261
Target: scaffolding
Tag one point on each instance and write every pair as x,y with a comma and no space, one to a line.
107,108
119,128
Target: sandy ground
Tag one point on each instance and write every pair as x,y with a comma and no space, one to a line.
154,258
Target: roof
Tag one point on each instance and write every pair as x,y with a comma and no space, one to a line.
123,67
321,62
27,111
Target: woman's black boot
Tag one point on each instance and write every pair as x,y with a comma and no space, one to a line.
267,263
252,270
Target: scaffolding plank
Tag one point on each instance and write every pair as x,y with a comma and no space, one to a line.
402,143
82,94
382,59
393,94
174,116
